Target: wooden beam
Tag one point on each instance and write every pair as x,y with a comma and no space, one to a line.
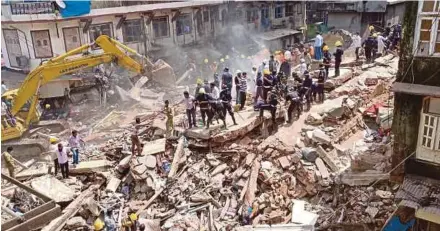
29,215
37,221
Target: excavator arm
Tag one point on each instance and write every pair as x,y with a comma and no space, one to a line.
69,63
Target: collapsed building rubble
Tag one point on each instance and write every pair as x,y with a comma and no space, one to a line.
325,170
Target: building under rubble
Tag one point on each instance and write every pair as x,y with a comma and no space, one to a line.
416,123
36,31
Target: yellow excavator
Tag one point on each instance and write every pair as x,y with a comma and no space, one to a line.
26,97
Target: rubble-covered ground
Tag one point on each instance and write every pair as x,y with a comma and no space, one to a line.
327,169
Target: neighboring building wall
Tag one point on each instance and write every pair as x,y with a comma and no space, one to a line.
407,107
394,13
347,21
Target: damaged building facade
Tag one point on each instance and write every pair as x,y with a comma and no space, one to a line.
35,31
416,123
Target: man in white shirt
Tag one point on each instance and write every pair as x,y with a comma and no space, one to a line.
318,46
188,100
302,66
215,92
74,143
63,160
357,43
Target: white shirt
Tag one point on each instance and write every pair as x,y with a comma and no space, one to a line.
4,89
380,42
189,102
4,108
53,149
357,41
62,156
318,40
302,68
215,93
74,141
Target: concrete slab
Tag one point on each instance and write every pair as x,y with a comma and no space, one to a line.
154,147
363,178
90,166
53,188
113,184
38,169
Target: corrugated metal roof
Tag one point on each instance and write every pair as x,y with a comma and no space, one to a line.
420,193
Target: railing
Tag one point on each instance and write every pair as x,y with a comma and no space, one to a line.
32,8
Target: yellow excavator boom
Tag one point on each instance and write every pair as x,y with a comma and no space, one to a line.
113,51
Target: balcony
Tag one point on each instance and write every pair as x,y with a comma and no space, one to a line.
31,8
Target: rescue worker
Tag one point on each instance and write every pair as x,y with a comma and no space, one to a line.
326,60
135,142
271,106
168,111
369,45
53,153
74,143
306,89
190,109
216,108
63,160
380,44
203,102
130,222
397,35
294,101
216,80
206,86
267,83
243,90
226,98
227,78
9,161
237,79
302,66
387,30
215,92
338,57
272,64
357,43
258,93
307,59
199,85
320,84
98,225
375,48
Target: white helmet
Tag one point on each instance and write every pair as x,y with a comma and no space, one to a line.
238,72
302,60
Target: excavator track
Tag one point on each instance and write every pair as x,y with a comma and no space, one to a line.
26,149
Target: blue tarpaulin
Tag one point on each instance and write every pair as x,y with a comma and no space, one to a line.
75,8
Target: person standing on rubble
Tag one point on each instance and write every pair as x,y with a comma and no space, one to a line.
168,111
320,85
272,64
63,160
318,44
226,98
131,222
338,57
369,45
206,86
74,143
216,80
110,224
357,43
237,79
135,141
199,85
302,67
53,153
306,88
243,90
190,109
380,44
227,78
294,101
9,161
215,92
267,83
203,102
327,61
271,106
307,59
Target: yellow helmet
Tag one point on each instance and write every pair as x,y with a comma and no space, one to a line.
202,90
266,72
227,57
9,97
325,48
222,60
371,28
199,80
98,224
47,106
206,60
53,140
338,43
133,217
375,35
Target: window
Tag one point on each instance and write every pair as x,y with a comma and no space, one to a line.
132,30
428,36
299,8
251,15
183,24
160,27
429,131
71,38
41,43
100,29
289,9
430,6
279,10
205,16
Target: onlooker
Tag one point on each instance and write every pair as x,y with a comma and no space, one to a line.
74,143
243,90
190,109
357,42
62,153
53,153
318,46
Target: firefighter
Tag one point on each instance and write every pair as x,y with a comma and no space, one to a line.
326,60
320,85
226,98
294,103
338,57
